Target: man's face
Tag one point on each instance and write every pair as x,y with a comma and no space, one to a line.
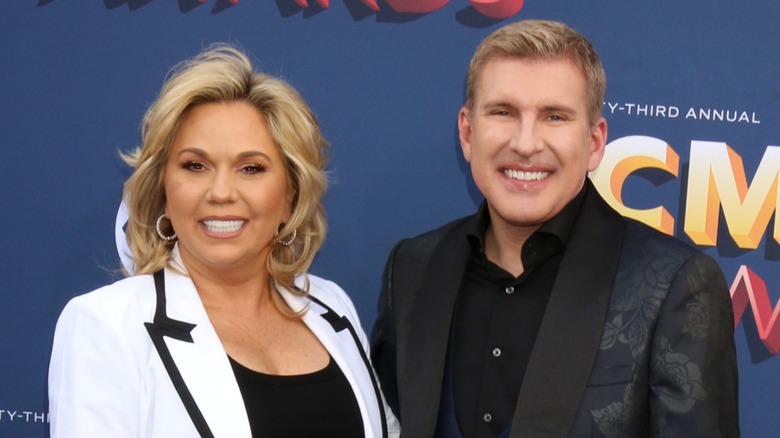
529,139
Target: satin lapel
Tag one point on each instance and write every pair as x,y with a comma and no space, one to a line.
571,330
335,334
203,363
426,333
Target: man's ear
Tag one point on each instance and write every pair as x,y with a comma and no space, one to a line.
464,132
598,142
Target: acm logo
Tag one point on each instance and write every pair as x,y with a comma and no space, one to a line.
716,184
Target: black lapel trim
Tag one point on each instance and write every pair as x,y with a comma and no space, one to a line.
572,327
430,285
179,330
423,286
339,323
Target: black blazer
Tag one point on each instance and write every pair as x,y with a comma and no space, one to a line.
637,339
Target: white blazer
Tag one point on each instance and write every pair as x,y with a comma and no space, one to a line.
107,378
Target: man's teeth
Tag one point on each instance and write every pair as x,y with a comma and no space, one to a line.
525,176
223,226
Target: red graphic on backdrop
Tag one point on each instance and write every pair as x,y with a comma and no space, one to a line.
497,8
416,6
748,287
304,4
371,4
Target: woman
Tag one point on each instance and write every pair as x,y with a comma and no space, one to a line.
221,332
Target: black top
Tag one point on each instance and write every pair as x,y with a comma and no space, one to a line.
497,319
320,404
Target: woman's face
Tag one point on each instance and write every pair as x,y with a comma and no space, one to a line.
227,188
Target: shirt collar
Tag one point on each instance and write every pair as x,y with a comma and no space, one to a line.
559,226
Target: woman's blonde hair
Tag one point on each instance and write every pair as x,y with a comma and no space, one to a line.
223,73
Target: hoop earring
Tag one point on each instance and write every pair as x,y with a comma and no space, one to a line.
159,229
290,239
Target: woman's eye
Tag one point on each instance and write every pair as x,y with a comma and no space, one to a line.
252,169
194,166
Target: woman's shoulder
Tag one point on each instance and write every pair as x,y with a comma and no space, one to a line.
122,298
321,285
329,293
110,319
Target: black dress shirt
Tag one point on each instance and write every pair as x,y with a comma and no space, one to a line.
497,319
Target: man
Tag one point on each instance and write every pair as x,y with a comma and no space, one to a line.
546,313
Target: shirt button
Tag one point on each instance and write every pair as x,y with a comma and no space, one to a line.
496,352
509,290
487,417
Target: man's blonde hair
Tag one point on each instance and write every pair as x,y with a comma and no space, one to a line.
540,39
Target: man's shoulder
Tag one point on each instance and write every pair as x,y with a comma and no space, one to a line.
429,240
637,237
642,242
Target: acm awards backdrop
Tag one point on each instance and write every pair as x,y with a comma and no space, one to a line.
692,105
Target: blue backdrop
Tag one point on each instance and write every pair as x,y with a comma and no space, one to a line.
386,86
